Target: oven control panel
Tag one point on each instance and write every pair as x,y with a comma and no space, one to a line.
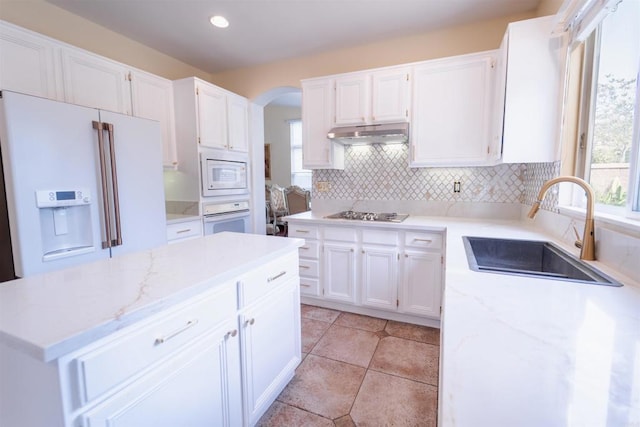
229,207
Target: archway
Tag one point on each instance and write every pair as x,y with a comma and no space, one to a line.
256,122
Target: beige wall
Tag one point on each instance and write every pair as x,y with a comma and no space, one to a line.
52,21
277,134
548,7
253,81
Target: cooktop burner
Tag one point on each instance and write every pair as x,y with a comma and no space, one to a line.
369,216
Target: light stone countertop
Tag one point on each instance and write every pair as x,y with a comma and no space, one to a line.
178,218
52,314
518,351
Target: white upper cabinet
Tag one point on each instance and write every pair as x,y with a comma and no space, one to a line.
452,106
352,100
390,95
93,81
238,110
212,116
532,100
318,152
152,98
373,97
28,63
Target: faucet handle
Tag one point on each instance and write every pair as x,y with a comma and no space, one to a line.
578,242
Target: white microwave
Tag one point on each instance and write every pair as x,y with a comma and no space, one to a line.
223,174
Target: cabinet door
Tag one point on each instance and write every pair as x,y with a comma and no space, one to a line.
95,82
152,98
451,123
198,387
238,123
421,283
271,347
390,96
212,117
380,277
352,100
318,152
27,63
533,92
339,272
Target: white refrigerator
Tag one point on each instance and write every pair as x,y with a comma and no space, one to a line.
81,184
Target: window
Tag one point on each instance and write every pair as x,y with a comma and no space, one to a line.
610,123
299,176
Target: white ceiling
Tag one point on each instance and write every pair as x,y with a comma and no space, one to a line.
263,31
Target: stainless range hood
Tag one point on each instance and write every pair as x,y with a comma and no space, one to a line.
388,133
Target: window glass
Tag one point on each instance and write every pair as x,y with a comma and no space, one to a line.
610,167
299,176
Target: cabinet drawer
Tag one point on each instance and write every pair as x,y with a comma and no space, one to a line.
184,230
310,249
303,231
379,237
310,287
101,369
256,284
423,240
340,234
308,268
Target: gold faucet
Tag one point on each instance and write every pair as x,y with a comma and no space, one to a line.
587,245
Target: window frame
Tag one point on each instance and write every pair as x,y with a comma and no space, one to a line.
584,147
297,146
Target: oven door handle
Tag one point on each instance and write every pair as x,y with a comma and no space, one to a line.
225,216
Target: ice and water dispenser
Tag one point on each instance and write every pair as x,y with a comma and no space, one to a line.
65,222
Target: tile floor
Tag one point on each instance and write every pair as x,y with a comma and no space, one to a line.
360,371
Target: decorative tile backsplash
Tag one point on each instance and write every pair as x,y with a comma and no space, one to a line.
535,175
381,172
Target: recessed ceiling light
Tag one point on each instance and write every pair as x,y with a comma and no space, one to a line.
219,21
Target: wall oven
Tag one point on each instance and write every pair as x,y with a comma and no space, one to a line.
227,216
224,173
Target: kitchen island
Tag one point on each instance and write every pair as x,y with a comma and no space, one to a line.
112,340
526,351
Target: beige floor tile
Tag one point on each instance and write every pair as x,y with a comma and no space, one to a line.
283,415
359,321
348,345
413,332
409,359
312,331
386,400
345,421
319,313
323,386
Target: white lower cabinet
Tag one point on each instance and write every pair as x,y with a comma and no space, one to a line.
270,336
173,394
393,272
339,279
420,270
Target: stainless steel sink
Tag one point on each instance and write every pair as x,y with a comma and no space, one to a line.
530,258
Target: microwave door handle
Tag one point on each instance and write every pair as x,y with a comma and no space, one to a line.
99,126
114,182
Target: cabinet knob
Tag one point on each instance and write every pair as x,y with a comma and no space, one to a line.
249,322
232,333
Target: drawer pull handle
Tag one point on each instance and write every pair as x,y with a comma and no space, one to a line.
277,276
423,240
166,338
306,248
302,231
249,322
305,266
305,285
231,333
183,231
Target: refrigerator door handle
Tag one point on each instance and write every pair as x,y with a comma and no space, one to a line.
114,183
99,126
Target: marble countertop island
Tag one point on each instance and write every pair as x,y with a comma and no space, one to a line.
519,351
52,314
